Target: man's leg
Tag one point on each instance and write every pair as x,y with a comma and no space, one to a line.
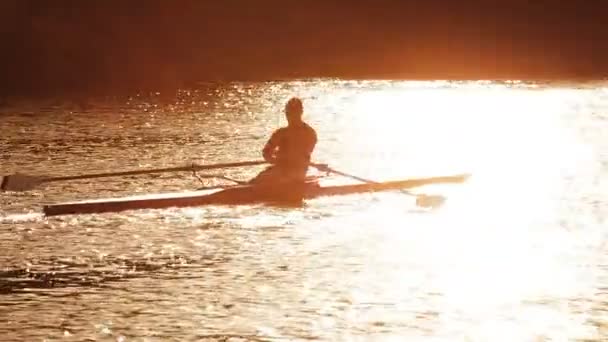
267,175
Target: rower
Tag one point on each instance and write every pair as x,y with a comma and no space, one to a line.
289,148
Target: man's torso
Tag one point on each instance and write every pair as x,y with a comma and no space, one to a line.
295,146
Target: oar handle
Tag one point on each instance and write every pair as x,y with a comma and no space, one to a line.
193,167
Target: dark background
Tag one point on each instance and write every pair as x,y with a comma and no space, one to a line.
108,46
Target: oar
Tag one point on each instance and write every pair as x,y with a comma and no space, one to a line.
422,200
21,182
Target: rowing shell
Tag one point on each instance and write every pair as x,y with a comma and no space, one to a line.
238,195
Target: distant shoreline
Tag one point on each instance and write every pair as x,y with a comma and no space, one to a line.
152,90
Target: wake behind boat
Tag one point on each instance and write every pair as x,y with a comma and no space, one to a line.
275,194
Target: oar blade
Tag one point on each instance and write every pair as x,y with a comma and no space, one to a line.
19,182
429,201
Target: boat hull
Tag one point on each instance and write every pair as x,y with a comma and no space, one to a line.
279,194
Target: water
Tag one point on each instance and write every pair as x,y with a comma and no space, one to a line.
518,253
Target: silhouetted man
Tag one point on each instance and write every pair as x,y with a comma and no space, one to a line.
289,148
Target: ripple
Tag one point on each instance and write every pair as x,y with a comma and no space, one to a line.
516,254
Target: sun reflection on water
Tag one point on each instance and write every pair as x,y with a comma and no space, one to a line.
496,245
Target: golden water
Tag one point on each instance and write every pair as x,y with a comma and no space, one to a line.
518,253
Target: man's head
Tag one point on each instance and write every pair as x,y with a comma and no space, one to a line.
294,110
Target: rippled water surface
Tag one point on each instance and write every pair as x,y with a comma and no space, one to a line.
518,253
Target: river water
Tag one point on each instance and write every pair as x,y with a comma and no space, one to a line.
517,253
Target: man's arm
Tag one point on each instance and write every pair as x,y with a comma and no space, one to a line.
270,148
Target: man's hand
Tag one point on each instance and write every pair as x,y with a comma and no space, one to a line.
271,159
269,154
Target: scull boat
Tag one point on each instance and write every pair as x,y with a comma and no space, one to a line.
239,195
